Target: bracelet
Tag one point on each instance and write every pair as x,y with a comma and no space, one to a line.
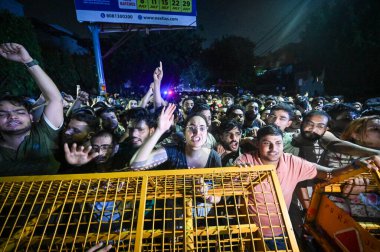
32,63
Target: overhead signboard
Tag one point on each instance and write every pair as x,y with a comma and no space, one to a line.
149,12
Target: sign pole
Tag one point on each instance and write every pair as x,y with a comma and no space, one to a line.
95,30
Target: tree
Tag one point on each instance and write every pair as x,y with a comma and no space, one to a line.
141,54
13,77
68,70
344,40
231,59
195,75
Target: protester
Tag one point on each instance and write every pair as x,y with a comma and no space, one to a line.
290,170
96,158
227,100
230,133
157,136
27,148
364,131
192,155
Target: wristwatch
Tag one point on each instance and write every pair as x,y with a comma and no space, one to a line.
32,63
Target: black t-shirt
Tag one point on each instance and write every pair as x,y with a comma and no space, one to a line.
177,158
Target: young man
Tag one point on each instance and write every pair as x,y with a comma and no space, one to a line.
187,106
290,170
237,113
78,132
27,148
110,122
341,115
141,126
80,128
252,109
227,100
314,141
229,144
98,158
282,115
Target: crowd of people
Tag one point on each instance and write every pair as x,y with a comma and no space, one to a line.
304,137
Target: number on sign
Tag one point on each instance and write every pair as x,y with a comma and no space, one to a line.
175,3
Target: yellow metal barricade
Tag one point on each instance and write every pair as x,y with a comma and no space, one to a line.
344,216
138,211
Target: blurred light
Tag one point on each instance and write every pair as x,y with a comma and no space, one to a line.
170,92
165,92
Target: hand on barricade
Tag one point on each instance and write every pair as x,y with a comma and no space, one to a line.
201,187
355,186
98,248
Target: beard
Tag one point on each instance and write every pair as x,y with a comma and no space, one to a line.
227,146
310,135
250,116
17,131
101,159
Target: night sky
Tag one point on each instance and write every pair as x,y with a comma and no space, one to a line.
269,23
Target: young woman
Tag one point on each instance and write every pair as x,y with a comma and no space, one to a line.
192,154
364,131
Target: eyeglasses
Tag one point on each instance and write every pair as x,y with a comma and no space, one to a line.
103,147
192,128
320,126
238,115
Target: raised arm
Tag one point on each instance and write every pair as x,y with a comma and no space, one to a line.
82,99
147,158
54,108
144,101
323,172
334,144
158,74
38,108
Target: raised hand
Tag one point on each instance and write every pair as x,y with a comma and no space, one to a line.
82,96
15,52
78,155
166,118
221,151
158,73
373,162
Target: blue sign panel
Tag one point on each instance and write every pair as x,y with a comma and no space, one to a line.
150,12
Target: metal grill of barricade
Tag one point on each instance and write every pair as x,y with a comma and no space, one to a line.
333,227
138,211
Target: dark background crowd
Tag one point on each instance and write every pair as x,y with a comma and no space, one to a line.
63,133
